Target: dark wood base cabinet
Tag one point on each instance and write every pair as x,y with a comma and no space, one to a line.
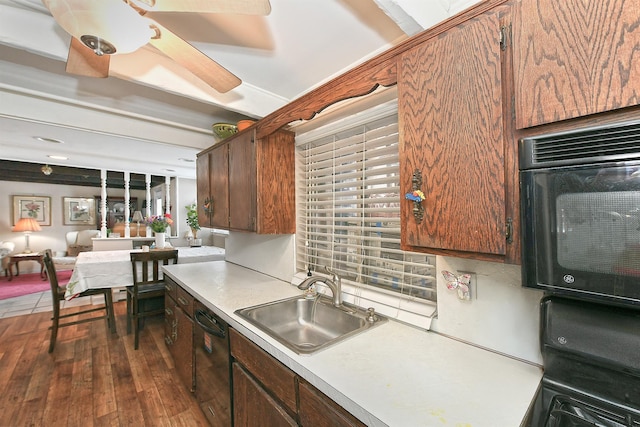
252,404
266,393
178,309
317,410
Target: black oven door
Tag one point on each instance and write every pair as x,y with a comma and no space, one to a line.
581,230
567,412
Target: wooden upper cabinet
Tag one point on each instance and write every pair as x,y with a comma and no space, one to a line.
573,58
219,186
251,183
275,181
212,187
451,132
203,189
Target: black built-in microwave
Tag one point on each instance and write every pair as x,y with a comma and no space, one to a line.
580,207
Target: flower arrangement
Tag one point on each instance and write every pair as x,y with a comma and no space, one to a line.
159,223
192,217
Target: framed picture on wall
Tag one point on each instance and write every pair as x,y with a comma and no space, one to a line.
36,207
79,210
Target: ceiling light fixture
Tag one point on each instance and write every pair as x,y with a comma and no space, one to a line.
99,24
46,169
57,157
52,140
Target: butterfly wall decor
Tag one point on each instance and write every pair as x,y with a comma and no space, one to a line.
460,283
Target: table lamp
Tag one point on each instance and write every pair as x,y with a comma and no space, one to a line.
137,217
27,225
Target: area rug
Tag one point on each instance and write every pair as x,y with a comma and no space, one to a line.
25,284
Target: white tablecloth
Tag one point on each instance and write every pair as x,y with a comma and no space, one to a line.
112,269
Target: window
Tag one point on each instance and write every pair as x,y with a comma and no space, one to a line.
349,206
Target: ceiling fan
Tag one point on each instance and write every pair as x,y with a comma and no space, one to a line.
100,28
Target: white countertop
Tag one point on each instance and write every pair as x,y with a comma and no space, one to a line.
392,375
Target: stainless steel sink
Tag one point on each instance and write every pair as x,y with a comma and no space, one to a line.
307,325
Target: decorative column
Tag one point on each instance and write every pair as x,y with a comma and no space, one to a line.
147,180
127,201
103,203
167,200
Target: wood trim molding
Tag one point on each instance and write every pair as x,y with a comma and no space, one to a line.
363,79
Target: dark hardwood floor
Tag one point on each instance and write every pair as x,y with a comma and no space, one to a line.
92,378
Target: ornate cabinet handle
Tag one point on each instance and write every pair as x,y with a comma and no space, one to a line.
208,207
416,196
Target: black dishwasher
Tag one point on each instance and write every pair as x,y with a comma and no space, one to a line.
213,370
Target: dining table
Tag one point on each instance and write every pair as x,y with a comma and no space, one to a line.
112,269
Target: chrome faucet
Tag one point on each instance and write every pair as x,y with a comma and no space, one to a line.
335,285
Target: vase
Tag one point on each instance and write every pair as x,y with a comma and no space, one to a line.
160,238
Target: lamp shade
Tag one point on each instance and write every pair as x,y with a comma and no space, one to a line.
137,216
27,224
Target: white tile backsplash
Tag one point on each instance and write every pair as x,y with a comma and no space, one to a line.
502,315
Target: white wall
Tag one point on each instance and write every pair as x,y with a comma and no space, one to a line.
501,315
270,254
51,237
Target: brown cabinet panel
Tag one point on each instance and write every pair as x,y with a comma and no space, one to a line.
451,131
203,189
276,377
219,184
185,301
275,158
242,179
252,406
574,58
251,182
317,410
183,349
178,311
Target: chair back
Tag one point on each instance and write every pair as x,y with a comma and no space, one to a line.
51,274
146,266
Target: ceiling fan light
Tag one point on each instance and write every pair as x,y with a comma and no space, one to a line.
111,21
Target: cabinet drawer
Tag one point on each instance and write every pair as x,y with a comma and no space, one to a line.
318,410
185,301
171,287
274,376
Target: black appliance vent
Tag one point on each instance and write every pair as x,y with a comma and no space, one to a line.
591,145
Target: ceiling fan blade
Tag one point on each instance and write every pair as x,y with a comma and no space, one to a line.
243,7
209,71
84,62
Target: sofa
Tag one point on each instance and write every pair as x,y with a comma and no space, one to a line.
77,241
6,248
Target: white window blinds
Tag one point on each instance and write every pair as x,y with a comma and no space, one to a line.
349,206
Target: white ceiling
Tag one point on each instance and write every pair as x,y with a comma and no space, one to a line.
150,115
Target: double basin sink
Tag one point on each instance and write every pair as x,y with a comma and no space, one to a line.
307,325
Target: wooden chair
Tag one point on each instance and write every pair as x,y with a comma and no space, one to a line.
58,291
146,297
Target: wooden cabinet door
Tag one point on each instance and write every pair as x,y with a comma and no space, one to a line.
183,348
242,183
451,131
317,410
574,57
252,406
275,169
219,186
203,189
170,330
